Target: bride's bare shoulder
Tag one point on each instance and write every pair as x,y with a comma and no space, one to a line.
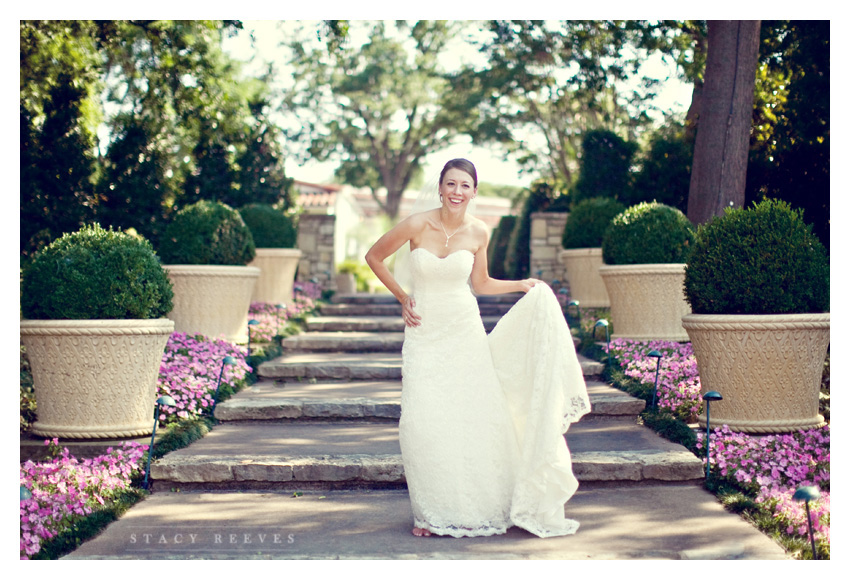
419,220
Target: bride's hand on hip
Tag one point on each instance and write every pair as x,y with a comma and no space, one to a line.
407,313
529,283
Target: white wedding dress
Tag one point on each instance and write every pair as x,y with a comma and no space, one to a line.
483,417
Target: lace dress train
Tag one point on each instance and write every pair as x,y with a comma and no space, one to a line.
483,417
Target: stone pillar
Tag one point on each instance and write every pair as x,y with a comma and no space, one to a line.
547,230
316,242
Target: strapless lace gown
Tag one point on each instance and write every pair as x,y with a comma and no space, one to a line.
483,417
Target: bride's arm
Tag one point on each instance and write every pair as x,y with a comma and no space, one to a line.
482,283
385,247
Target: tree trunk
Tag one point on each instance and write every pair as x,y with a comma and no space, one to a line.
719,173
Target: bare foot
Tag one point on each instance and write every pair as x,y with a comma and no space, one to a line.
421,532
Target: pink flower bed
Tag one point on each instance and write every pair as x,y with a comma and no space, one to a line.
65,488
189,373
772,467
678,378
272,317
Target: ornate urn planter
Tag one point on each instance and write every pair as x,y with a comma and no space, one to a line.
768,368
212,300
586,285
647,300
95,379
277,274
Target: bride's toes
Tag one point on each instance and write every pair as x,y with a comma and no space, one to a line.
421,532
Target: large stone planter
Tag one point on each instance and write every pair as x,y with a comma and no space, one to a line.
95,379
586,285
647,301
277,274
767,368
212,300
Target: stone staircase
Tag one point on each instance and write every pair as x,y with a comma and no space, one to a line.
324,416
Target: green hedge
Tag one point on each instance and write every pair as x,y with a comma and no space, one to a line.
648,233
207,233
588,221
270,227
762,260
95,274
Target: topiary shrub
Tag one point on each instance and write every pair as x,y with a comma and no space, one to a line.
207,233
762,260
270,227
95,274
648,233
588,221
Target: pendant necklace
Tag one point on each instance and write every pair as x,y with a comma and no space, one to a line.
446,233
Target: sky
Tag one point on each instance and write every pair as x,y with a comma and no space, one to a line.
489,161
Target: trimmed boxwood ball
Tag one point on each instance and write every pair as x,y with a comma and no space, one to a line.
207,233
95,274
588,221
761,260
270,227
648,233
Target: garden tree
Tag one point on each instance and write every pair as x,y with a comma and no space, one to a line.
664,170
175,75
380,108
59,114
135,180
179,99
606,163
789,149
213,175
261,177
59,162
686,42
53,48
718,174
556,80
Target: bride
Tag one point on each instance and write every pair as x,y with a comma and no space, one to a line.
483,417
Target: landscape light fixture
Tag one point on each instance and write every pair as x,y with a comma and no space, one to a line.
604,323
578,311
163,400
657,356
808,493
251,323
708,398
228,360
281,308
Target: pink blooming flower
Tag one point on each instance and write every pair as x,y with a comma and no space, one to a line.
65,488
772,466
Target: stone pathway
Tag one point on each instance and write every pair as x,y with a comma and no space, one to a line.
309,456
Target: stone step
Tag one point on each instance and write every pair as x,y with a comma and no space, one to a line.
386,298
618,523
353,366
270,400
268,456
379,309
348,341
370,323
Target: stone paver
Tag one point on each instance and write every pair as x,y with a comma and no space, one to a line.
306,465
666,522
